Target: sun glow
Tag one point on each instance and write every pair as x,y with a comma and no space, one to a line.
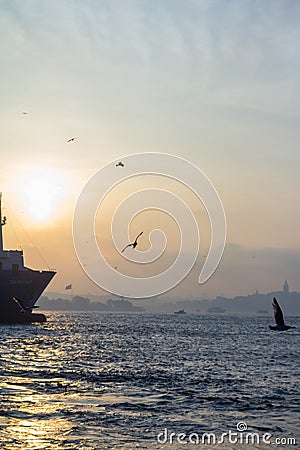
42,187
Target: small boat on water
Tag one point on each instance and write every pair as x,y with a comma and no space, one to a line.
180,311
20,286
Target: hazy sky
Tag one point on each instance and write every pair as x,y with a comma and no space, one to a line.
215,82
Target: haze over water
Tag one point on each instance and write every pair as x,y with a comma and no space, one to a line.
105,381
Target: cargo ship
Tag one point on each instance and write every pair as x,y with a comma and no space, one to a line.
20,286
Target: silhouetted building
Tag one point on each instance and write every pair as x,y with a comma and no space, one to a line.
286,287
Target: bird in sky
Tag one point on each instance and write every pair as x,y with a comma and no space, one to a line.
24,112
71,139
23,308
278,315
133,244
120,164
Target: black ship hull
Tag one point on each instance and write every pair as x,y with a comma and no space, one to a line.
26,286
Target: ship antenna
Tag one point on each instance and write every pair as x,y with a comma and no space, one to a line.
2,222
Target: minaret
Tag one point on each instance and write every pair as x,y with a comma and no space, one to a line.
286,287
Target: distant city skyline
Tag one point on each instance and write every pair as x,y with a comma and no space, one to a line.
251,303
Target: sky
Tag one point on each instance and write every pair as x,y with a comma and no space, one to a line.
213,82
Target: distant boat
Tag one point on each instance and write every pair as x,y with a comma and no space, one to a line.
216,310
180,311
20,287
278,315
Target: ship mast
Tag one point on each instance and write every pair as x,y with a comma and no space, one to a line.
2,222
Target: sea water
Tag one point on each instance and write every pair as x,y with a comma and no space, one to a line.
124,381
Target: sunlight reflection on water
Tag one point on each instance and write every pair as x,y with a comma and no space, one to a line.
93,381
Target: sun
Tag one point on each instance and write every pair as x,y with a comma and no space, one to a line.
42,188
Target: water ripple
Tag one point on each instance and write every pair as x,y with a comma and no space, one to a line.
96,381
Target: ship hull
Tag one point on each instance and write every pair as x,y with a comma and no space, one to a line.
27,286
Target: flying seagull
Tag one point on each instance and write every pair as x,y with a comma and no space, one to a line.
280,325
72,139
133,244
24,112
23,308
120,164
